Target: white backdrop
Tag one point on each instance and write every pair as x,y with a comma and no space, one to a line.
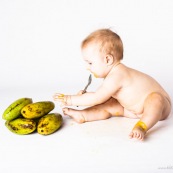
40,39
40,54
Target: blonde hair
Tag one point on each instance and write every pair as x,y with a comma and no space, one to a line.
109,42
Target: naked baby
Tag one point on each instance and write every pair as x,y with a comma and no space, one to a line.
124,91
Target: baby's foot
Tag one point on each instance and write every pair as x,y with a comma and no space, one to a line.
75,114
137,133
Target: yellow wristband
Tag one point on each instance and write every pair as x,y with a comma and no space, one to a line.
142,125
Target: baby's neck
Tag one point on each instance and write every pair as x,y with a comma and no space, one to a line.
114,66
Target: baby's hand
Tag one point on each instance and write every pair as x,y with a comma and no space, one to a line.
65,100
80,92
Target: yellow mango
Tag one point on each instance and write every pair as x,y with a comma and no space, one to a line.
14,110
49,123
37,109
21,126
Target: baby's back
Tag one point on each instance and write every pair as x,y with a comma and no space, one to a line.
136,86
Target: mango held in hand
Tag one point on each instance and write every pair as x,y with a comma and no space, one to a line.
49,123
14,110
37,109
21,126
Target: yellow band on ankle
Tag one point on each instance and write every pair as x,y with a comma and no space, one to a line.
142,125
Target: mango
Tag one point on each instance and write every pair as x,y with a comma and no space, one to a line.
14,110
21,126
37,109
49,123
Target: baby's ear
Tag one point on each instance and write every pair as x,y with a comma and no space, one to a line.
109,59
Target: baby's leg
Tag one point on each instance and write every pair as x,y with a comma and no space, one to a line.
99,112
156,108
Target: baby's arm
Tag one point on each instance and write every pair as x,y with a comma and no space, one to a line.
90,98
86,99
103,93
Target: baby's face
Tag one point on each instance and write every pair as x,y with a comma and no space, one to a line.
94,60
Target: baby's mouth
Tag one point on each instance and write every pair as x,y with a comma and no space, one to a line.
95,75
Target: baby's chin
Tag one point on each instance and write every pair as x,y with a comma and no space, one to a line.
99,76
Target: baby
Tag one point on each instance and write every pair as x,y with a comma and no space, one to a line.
124,91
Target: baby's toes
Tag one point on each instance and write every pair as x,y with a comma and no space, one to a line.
141,137
137,135
131,135
65,110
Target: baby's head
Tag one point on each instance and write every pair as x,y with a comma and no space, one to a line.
101,50
108,42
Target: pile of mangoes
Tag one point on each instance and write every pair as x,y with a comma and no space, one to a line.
24,117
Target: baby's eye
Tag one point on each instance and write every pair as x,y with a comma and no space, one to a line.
90,63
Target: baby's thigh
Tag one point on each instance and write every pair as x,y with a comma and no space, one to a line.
113,107
167,109
156,104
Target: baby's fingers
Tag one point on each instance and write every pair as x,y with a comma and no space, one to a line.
63,99
80,92
58,97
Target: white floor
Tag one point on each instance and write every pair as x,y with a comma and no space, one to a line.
101,146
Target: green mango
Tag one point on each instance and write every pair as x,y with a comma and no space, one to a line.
21,126
37,110
14,110
49,123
